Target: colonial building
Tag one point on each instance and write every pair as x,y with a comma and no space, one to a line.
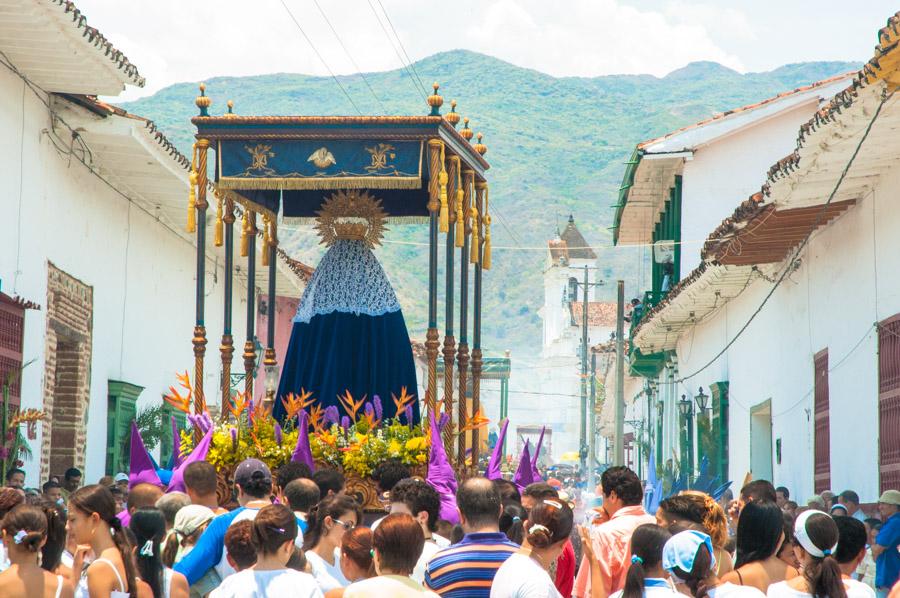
787,331
96,269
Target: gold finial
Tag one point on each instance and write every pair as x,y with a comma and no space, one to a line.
435,100
202,101
480,147
230,104
452,116
466,131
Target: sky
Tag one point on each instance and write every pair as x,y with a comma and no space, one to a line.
174,41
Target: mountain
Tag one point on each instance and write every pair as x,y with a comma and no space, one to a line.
556,147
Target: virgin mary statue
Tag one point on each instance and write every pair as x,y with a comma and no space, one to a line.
349,334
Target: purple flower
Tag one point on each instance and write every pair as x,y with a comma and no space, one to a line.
444,420
345,422
332,415
234,439
278,436
379,408
409,415
370,411
4,452
250,409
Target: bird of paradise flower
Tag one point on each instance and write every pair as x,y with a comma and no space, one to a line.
317,417
403,401
475,422
350,405
294,404
179,401
239,404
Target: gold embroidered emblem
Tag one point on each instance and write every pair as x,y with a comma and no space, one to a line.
322,158
380,156
260,154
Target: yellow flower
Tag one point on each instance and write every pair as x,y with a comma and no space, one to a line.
422,458
416,444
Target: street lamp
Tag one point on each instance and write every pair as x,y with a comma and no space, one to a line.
686,407
702,400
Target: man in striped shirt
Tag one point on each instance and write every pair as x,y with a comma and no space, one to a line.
468,568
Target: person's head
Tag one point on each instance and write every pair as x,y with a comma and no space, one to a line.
888,503
72,479
816,502
52,490
329,481
816,536
9,498
417,498
388,473
356,554
274,532
329,520
873,526
121,482
647,543
621,488
536,492
56,534
119,496
828,497
253,481
700,508
15,478
301,494
239,550
689,558
170,503
678,509
791,507
289,472
190,522
511,521
398,543
142,496
852,539
838,510
850,500
24,531
149,528
479,505
760,532
758,490
548,528
200,481
508,490
92,518
782,494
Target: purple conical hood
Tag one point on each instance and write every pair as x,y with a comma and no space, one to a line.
302,452
441,475
176,445
141,470
523,475
493,469
176,484
535,474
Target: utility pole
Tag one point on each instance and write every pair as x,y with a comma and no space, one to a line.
619,452
592,426
584,371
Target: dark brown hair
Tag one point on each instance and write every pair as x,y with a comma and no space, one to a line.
697,579
647,543
823,575
331,506
98,499
52,551
274,525
239,544
28,519
201,477
549,522
9,498
399,541
357,547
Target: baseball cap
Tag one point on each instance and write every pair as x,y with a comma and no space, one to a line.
890,497
250,470
191,517
121,477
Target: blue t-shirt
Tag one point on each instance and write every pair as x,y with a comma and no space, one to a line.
208,551
887,566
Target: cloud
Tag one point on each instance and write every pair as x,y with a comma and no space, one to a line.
172,41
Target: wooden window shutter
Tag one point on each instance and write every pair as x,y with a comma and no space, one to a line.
12,329
889,403
121,411
719,456
822,440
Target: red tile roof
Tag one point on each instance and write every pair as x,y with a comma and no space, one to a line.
600,313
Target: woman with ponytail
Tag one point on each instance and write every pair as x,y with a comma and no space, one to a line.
334,516
526,572
24,535
149,528
688,558
815,542
94,526
691,506
646,577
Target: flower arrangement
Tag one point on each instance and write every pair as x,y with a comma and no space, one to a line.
356,442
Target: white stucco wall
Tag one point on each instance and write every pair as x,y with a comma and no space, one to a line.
141,273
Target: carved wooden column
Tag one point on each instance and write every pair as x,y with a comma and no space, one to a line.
431,336
249,345
453,170
271,361
227,348
199,340
463,351
477,363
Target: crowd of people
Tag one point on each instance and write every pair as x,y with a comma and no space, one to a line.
299,533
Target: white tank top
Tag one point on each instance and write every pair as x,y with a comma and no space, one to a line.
81,591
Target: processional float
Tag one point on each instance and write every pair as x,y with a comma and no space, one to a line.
348,175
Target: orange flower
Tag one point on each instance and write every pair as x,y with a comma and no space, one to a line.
293,404
260,413
182,403
257,443
351,406
316,417
240,404
475,422
403,401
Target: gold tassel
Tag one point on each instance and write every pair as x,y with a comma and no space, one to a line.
192,195
460,221
245,234
265,244
486,257
473,258
220,227
444,222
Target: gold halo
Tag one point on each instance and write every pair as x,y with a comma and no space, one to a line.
351,214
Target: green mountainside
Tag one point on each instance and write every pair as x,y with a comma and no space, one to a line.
556,147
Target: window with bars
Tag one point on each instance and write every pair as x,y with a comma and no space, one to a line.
822,440
889,403
12,329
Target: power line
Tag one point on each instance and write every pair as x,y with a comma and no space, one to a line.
399,41
314,49
347,52
416,85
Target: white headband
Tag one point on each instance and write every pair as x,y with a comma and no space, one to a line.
804,539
